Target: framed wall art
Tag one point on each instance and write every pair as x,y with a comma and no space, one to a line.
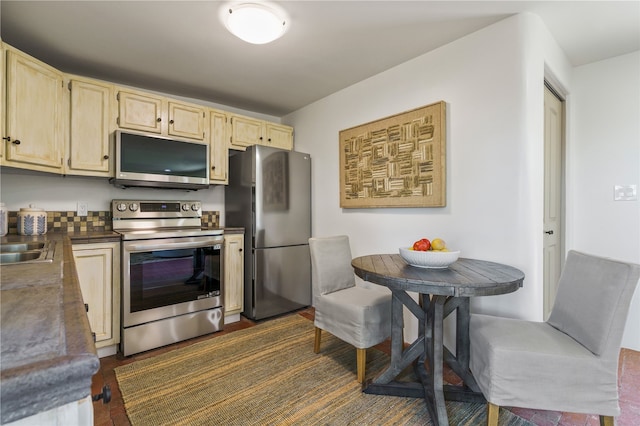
397,161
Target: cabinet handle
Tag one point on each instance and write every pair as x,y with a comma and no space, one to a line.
15,142
260,137
213,167
94,337
106,157
158,119
239,249
8,138
86,307
269,139
170,121
105,396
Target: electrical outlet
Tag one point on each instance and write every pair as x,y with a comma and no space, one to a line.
83,208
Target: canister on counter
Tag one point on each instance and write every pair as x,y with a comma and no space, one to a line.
32,221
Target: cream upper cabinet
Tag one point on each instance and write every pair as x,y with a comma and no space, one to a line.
186,120
278,136
140,112
98,267
157,114
233,274
3,101
218,149
246,131
90,130
35,119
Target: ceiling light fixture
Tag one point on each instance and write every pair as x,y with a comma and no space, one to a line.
256,23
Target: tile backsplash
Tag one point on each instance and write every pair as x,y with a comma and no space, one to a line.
94,221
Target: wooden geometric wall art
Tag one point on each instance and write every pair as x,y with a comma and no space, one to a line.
397,161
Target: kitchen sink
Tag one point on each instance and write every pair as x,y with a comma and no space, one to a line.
31,252
17,247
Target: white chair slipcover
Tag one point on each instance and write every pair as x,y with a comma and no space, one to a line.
568,363
357,315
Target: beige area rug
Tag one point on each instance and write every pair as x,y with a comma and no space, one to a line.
269,375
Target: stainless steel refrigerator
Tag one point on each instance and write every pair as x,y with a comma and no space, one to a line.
269,194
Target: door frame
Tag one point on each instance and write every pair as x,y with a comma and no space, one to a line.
548,304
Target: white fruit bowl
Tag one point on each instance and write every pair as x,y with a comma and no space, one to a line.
429,259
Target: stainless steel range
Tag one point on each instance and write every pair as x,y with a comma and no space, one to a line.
172,278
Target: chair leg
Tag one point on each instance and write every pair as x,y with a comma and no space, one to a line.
492,414
316,343
361,357
606,421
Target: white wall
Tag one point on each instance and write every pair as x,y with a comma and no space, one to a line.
492,82
604,151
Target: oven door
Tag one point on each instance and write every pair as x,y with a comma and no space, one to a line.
163,278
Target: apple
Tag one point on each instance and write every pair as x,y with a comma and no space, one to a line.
422,245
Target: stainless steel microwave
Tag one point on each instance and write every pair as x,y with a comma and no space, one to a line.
154,161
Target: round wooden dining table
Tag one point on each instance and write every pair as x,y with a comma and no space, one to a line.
440,293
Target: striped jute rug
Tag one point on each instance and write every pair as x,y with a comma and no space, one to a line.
269,375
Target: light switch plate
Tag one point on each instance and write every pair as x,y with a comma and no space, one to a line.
625,192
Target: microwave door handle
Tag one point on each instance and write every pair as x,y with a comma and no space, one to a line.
171,246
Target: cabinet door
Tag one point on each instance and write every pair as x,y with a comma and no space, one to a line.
99,274
34,121
245,131
139,111
90,129
3,103
219,150
279,136
233,273
186,121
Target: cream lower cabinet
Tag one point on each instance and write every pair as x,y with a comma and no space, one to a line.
233,276
98,267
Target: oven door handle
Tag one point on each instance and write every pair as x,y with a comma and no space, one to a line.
171,246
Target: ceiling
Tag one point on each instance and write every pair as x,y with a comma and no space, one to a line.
182,47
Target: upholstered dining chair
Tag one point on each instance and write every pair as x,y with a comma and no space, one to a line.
356,314
568,363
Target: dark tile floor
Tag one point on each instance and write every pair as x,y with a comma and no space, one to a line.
114,413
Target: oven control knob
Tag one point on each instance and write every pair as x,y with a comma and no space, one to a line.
133,207
185,207
195,207
121,207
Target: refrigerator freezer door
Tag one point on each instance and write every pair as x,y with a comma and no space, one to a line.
282,281
282,197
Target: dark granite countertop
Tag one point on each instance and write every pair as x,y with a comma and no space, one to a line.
48,356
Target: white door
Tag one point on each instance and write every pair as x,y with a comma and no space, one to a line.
553,196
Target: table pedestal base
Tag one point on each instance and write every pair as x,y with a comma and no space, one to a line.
429,347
